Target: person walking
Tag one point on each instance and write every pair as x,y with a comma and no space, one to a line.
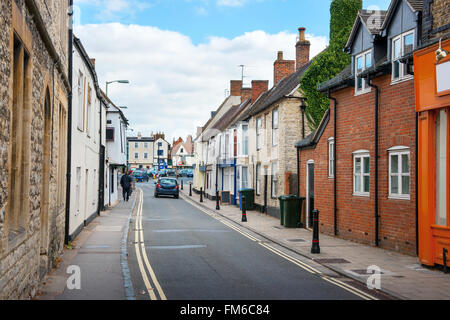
126,184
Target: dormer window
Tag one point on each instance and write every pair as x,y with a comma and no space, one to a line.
362,62
401,46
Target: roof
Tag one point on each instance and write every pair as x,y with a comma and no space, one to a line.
415,5
312,139
282,89
340,79
135,139
373,21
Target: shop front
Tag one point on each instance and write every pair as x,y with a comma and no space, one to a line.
432,89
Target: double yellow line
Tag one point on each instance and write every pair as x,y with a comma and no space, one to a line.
141,255
295,261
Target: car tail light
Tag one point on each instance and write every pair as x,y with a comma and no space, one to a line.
158,186
176,187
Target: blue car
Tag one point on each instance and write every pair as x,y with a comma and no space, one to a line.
167,187
140,176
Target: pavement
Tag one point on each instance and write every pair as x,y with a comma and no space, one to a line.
99,254
402,276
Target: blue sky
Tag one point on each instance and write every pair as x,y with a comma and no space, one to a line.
200,19
180,55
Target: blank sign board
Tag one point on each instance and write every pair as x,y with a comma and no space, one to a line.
443,77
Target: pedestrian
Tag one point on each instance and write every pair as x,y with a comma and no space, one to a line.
126,184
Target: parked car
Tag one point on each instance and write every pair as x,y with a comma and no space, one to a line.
190,173
167,187
171,173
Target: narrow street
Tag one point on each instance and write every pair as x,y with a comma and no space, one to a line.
191,255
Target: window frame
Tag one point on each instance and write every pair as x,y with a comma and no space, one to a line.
399,151
275,127
360,154
274,179
331,157
258,133
402,67
258,179
245,141
136,155
365,88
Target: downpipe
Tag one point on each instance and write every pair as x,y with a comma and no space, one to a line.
336,232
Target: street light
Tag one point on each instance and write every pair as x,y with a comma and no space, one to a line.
303,108
118,81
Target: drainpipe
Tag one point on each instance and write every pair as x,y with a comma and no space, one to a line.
336,232
298,172
376,160
417,183
69,128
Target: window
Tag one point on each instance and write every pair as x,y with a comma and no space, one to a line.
136,144
274,179
159,144
258,133
89,111
244,177
80,110
331,157
399,173
245,140
361,173
362,62
108,121
136,155
441,167
160,152
227,145
146,145
401,45
145,155
258,179
109,134
275,127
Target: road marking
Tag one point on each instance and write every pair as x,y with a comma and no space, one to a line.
144,253
295,261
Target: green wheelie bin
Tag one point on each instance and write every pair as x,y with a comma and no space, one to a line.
292,210
249,195
282,212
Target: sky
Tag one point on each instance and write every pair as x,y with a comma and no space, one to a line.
180,55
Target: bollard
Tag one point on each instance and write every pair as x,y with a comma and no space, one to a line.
244,211
315,242
201,194
190,189
444,258
182,184
217,200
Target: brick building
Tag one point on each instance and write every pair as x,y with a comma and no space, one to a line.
34,91
359,167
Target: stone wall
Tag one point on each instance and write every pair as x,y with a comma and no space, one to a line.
22,258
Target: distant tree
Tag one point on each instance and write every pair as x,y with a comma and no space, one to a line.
331,61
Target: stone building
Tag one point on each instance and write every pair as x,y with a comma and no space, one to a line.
34,91
275,123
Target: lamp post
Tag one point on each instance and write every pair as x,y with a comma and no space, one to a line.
303,108
118,81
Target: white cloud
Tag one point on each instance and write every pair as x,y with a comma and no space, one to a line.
174,84
231,3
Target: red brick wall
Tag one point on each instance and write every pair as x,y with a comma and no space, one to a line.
258,88
282,68
235,88
355,130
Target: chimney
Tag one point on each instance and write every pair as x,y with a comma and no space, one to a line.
246,94
302,48
258,88
282,68
93,62
139,135
235,88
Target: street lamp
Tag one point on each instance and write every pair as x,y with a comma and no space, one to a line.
118,81
303,108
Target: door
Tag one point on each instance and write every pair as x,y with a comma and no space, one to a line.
266,187
309,193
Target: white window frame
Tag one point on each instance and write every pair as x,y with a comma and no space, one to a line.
360,154
136,144
245,140
275,127
399,151
365,88
136,155
331,157
246,185
258,179
258,133
145,155
402,67
274,181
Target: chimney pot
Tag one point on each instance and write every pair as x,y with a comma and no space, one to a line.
302,49
280,55
302,34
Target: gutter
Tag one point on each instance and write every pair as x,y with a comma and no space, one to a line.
376,159
69,131
334,163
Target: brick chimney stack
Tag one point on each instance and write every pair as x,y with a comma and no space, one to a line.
258,88
302,48
246,94
282,68
236,88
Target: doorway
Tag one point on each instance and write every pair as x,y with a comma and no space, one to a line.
309,193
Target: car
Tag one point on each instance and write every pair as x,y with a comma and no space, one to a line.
171,173
167,187
140,176
190,173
